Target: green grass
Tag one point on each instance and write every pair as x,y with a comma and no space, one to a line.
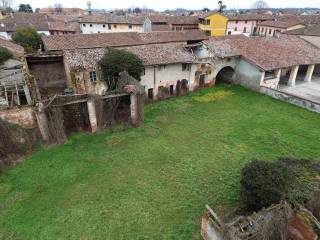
153,182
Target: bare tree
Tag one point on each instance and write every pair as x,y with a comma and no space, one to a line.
58,8
261,4
5,4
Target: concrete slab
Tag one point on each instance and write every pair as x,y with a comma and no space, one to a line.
307,90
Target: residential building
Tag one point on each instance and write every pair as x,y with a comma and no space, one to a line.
169,69
246,24
10,24
70,61
100,23
274,28
42,23
214,24
286,23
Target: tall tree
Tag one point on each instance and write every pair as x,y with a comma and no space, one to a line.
260,5
58,8
221,7
5,4
25,8
28,38
117,60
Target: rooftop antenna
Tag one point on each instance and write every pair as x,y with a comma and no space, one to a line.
89,7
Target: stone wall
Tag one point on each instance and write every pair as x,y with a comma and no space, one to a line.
23,117
298,101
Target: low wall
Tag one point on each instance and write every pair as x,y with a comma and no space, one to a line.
290,98
23,117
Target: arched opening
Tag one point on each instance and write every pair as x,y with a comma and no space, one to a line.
225,75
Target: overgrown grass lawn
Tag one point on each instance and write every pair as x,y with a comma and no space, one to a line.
153,182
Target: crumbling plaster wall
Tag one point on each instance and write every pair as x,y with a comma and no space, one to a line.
248,75
23,117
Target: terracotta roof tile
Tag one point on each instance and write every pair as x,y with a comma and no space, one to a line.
17,50
154,54
250,17
271,53
310,30
78,41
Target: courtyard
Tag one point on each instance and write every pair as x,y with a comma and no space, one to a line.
153,182
306,90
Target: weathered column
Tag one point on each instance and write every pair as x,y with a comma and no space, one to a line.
134,109
293,76
309,73
43,123
92,115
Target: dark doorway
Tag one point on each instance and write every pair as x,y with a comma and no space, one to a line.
202,80
150,93
225,75
171,90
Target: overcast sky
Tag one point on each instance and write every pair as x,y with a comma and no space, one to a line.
166,4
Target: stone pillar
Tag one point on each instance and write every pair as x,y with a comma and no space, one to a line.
134,109
92,115
309,73
43,123
293,76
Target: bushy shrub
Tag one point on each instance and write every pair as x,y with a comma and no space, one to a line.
28,38
5,54
264,183
117,60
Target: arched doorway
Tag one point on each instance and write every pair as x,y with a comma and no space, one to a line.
225,75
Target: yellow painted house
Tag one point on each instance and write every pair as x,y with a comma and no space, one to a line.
214,24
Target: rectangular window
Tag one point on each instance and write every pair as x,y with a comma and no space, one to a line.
114,26
245,22
90,25
185,67
84,25
235,29
244,29
208,33
270,31
143,72
109,26
229,33
103,25
269,75
93,76
130,26
150,93
208,22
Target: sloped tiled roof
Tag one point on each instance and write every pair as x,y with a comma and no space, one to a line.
17,50
64,26
250,17
271,53
310,30
37,21
112,19
153,54
286,21
78,41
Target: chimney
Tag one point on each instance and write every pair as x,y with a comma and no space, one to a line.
89,7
